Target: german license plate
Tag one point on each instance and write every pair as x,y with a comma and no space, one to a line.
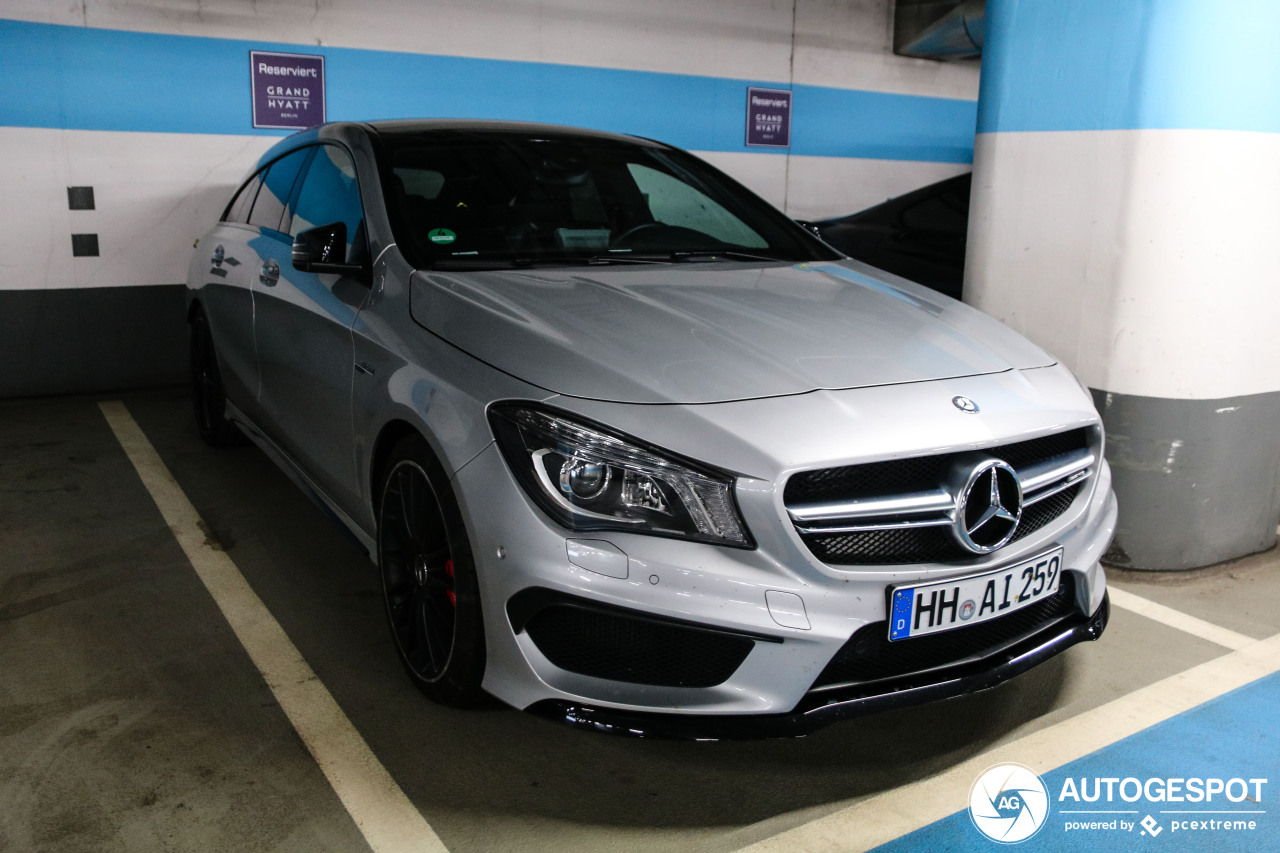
941,606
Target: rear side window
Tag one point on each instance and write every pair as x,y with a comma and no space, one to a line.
330,194
277,185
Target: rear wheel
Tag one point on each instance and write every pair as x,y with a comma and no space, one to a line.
207,395
428,577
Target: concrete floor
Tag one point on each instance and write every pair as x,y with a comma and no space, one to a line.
131,718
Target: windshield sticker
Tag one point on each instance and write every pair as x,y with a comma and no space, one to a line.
441,236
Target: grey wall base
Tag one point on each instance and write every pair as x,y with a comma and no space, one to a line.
1198,481
68,341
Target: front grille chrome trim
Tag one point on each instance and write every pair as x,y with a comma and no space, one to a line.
1055,475
878,525
932,508
936,501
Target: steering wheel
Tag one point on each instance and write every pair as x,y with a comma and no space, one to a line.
672,237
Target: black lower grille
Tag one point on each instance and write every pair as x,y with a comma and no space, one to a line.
886,547
869,656
636,650
1039,514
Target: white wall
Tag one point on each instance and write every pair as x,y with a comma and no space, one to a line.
156,192
1145,259
837,42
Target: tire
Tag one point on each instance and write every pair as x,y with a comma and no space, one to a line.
207,397
429,577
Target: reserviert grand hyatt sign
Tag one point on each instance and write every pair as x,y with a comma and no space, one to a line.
288,90
768,117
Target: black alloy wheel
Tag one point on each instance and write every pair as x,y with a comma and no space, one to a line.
207,396
428,577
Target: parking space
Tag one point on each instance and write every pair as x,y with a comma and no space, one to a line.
132,718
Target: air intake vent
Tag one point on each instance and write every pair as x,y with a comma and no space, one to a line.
605,641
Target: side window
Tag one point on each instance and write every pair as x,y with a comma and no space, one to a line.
330,194
276,188
673,202
238,210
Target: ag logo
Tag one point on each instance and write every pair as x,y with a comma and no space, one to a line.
1008,803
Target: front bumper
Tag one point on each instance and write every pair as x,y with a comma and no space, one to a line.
818,710
728,591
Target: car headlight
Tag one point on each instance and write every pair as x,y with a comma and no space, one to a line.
587,477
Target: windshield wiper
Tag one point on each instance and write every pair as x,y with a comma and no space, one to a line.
481,263
730,254
478,263
598,260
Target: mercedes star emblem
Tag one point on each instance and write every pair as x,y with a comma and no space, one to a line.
988,506
964,404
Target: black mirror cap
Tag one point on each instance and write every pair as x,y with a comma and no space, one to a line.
323,250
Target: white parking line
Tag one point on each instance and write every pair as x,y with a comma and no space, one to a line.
884,817
386,817
1177,619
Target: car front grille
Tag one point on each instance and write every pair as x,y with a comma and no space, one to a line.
900,511
869,656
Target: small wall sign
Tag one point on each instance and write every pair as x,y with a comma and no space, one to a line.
768,117
288,90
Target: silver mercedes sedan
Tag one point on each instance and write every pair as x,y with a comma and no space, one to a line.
633,450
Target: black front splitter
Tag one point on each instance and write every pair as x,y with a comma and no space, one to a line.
818,710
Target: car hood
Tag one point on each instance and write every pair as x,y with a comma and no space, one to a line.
712,332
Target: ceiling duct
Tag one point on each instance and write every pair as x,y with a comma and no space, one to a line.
939,29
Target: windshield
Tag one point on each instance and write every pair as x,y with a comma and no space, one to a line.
463,199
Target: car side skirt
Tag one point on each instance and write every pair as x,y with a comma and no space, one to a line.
363,540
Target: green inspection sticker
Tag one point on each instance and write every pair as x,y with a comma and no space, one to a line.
443,236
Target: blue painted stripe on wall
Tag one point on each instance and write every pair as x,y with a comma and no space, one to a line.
92,79
1130,65
1236,735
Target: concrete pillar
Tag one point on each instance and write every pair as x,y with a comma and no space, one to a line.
1126,217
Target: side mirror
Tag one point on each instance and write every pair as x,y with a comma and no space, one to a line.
323,250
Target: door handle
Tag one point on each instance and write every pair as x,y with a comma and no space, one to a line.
218,255
270,273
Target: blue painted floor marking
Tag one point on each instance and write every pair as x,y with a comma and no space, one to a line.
1233,739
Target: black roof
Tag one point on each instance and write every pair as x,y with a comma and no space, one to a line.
396,128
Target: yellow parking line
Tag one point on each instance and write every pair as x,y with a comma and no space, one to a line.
386,817
1177,619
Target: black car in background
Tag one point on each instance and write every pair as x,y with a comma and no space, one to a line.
919,236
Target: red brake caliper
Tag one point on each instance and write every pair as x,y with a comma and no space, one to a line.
448,571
